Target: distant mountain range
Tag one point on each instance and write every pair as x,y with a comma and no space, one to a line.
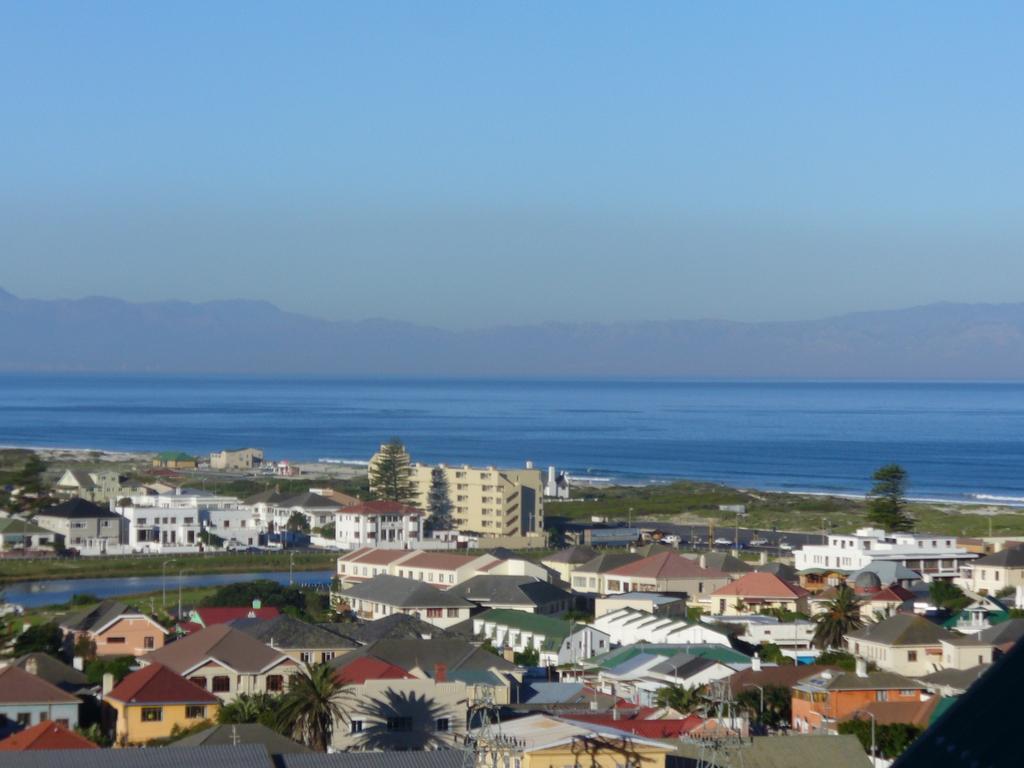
103,335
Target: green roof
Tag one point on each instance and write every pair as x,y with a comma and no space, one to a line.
13,526
993,618
528,622
943,704
718,653
175,456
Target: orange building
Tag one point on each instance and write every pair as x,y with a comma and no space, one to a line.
823,699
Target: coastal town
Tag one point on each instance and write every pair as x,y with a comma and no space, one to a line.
467,622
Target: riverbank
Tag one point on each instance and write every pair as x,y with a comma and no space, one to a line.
150,565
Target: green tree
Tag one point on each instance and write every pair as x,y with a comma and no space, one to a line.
845,661
679,697
118,666
312,705
890,740
528,658
887,502
297,523
840,617
268,592
40,638
948,596
777,705
771,653
439,501
251,708
390,473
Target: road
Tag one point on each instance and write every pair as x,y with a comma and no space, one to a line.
696,536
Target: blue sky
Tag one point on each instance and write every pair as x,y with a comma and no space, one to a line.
476,164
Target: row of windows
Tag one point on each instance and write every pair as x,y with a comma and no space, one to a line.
156,714
402,724
222,683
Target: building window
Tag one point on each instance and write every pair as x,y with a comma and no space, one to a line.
453,613
306,657
24,718
152,714
881,695
149,642
275,682
221,684
200,681
328,655
399,724
357,726
64,722
195,712
434,613
442,725
911,655
115,641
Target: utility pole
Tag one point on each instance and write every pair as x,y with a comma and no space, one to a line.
163,580
180,572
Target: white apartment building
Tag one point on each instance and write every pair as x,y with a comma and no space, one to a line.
934,557
378,524
173,522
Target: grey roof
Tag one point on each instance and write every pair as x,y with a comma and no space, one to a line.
434,758
961,679
550,693
77,509
1011,557
404,593
888,572
509,590
723,561
456,655
247,733
309,500
58,673
806,751
903,629
572,555
683,665
93,617
284,631
607,561
784,571
397,626
850,681
266,497
1005,632
241,756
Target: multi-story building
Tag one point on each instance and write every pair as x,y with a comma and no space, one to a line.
908,644
378,524
83,524
238,459
487,500
174,522
933,556
821,700
93,486
992,573
440,569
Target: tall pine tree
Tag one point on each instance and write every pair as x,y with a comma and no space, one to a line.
887,501
390,472
439,503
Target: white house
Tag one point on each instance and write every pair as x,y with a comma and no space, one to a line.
555,640
629,625
378,524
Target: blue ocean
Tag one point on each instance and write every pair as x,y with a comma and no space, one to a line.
957,440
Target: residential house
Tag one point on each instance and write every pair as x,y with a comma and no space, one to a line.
175,521
240,459
808,751
723,562
589,577
521,593
47,735
911,645
362,564
104,486
823,699
27,699
629,625
933,556
876,602
318,510
555,640
202,617
304,643
993,573
565,561
564,698
226,662
154,702
953,682
397,626
673,606
385,595
762,675
664,572
83,524
545,741
440,569
18,534
984,611
794,638
1003,636
754,592
378,524
116,629
888,573
55,672
175,460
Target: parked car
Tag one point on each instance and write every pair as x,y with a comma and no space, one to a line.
759,542
786,546
724,542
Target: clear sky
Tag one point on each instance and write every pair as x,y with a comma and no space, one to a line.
475,164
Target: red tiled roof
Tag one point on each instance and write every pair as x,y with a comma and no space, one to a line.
652,729
891,712
892,594
759,584
156,684
784,676
212,616
381,508
438,560
666,565
20,687
370,668
45,735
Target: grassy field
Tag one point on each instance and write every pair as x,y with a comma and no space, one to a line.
101,567
697,503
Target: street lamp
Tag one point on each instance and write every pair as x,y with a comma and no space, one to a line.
163,580
291,566
872,716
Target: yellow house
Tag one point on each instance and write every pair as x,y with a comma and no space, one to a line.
753,592
543,741
148,704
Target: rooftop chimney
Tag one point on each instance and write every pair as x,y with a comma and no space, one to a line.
440,673
755,663
108,683
862,667
703,561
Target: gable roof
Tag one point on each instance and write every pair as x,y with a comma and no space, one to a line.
515,590
764,585
365,668
269,496
156,684
396,626
903,629
784,571
16,526
287,632
53,671
77,509
961,679
666,565
309,500
666,728
536,732
19,687
222,642
456,655
404,593
1011,557
93,617
243,733
785,676
850,681
572,555
607,561
724,562
624,654
45,735
807,751
81,477
917,713
1009,631
551,628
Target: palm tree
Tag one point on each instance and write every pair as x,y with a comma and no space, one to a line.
679,698
312,705
841,616
248,708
